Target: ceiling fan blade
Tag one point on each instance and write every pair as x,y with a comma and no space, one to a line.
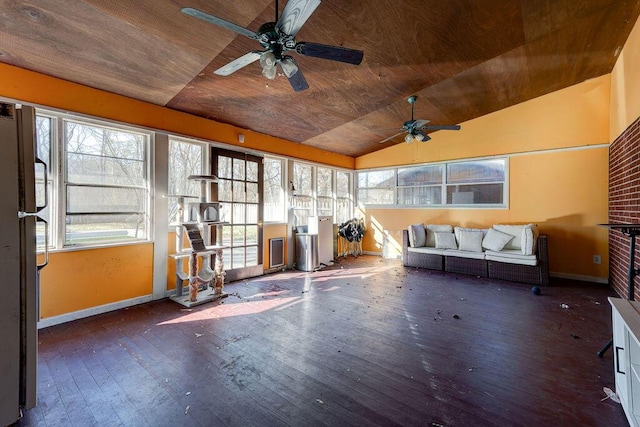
333,53
219,22
420,123
295,14
298,82
391,137
441,127
236,64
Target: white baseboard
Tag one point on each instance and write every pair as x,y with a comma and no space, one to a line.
80,314
569,276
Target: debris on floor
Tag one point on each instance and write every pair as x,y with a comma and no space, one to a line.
455,316
610,394
564,306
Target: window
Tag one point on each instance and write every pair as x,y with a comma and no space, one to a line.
105,184
469,183
344,201
185,158
324,191
98,181
479,182
302,193
273,190
376,187
420,185
45,139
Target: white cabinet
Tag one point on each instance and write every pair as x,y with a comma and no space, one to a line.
626,356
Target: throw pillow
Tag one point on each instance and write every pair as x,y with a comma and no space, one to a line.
471,240
496,240
445,240
436,228
417,235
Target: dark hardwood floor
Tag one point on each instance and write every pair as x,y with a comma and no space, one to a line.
366,342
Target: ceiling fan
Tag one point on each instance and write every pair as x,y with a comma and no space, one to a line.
277,38
415,128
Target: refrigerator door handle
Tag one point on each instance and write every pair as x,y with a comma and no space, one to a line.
36,214
46,244
46,191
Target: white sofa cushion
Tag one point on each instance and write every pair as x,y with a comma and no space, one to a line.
470,240
427,250
457,231
445,240
464,254
496,240
436,228
417,235
511,256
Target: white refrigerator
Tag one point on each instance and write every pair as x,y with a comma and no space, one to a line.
19,271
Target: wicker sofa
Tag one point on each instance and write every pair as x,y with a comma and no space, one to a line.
494,264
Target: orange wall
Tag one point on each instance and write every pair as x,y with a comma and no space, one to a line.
77,280
560,182
625,85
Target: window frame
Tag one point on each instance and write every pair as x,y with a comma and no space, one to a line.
58,170
283,204
444,185
204,167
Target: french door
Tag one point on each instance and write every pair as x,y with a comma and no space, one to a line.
239,192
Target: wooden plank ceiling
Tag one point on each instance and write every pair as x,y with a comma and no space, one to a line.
463,58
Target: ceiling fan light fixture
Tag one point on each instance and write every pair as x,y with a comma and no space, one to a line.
268,59
289,66
269,72
419,137
408,138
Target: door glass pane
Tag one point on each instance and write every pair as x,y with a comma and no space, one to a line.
238,235
226,236
238,169
224,167
237,258
252,235
252,171
252,214
226,258
224,190
238,213
225,212
252,255
252,192
238,191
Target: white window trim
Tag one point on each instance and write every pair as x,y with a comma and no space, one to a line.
444,185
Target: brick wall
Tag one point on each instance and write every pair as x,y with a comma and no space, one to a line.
624,205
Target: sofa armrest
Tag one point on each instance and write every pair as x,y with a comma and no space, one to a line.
542,252
405,246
